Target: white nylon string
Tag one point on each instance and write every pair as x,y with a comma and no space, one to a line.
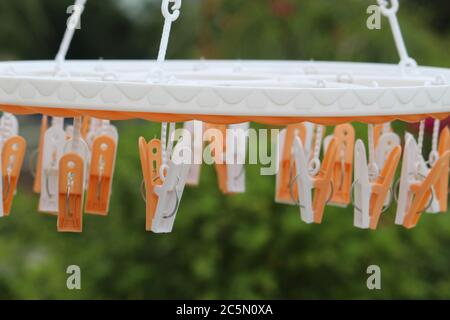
434,154
421,137
314,164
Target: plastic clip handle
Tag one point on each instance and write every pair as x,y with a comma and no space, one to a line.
322,182
422,191
71,192
150,154
38,176
343,164
12,160
286,187
381,186
100,175
441,185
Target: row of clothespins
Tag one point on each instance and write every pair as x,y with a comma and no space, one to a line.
71,160
80,158
346,174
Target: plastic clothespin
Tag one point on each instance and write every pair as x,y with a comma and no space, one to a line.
71,192
150,155
195,129
40,152
441,185
102,163
416,184
343,164
312,207
12,159
52,151
370,196
219,152
286,186
169,193
71,182
236,150
230,158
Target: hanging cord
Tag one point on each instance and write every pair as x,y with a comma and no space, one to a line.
373,168
434,154
421,137
169,17
314,164
391,14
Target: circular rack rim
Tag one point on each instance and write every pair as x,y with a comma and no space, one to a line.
217,88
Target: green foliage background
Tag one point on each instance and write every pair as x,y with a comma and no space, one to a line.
229,247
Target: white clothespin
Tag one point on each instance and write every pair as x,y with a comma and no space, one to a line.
236,151
195,129
53,148
170,193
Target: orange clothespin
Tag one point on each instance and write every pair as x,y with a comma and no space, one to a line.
12,159
372,190
421,191
441,185
100,175
312,207
150,155
343,164
286,187
71,181
37,178
71,192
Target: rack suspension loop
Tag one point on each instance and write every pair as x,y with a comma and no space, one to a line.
70,31
391,14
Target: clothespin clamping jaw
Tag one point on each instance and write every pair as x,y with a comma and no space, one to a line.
52,150
312,206
103,158
342,164
286,184
417,184
71,182
371,189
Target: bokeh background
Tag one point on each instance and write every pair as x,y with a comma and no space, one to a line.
228,247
